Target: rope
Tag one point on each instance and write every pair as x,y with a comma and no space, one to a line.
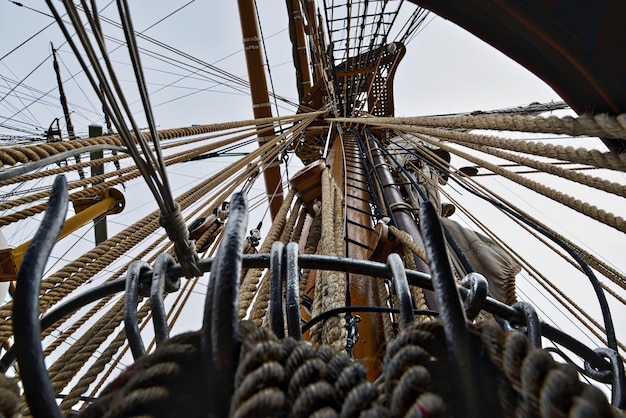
329,285
417,293
576,176
575,155
15,155
585,208
102,360
71,361
312,243
291,378
544,387
9,397
158,385
297,231
388,326
600,125
288,230
407,241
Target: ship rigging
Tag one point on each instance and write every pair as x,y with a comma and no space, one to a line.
394,266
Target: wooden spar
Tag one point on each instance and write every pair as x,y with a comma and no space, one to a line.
260,97
300,56
400,210
370,348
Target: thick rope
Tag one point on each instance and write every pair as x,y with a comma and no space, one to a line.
576,176
312,243
329,285
297,230
600,125
417,293
71,361
286,378
102,360
12,156
286,235
585,208
408,242
575,155
9,397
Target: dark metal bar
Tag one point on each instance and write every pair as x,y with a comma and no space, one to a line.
402,289
533,326
451,312
292,298
355,308
478,288
276,315
26,325
157,289
220,329
618,394
130,306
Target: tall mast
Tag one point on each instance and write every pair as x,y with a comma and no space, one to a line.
299,48
260,97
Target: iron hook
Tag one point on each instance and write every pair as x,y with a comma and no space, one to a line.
533,325
400,282
131,299
26,325
276,314
451,312
292,268
220,329
161,283
478,288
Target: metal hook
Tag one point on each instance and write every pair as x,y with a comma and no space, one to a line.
618,396
131,299
451,312
26,325
533,325
161,283
403,293
276,314
292,270
220,329
477,294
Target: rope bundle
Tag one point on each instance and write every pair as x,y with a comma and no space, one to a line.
9,397
288,378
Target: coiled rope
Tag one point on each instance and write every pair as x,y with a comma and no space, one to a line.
291,378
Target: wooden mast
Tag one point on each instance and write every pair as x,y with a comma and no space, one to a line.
260,97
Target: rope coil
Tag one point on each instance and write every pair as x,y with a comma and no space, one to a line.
290,378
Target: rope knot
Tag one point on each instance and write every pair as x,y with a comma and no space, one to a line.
185,250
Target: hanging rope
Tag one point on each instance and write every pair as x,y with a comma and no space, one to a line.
329,285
